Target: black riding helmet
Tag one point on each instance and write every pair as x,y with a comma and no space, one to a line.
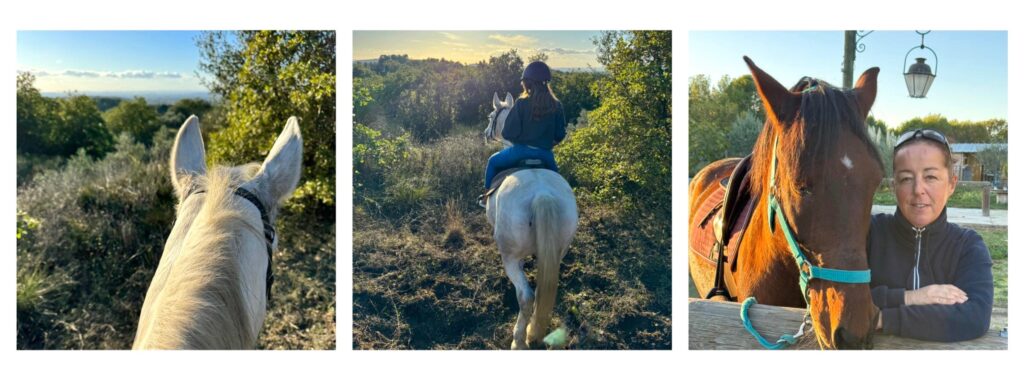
537,71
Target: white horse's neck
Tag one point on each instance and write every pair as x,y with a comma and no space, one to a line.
220,239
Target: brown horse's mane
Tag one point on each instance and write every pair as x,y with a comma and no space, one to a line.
818,125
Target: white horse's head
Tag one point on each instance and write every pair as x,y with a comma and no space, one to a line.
211,287
496,120
276,178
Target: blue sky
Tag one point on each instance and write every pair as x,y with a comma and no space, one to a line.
970,83
565,49
110,61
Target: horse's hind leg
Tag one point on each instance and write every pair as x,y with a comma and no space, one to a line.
514,270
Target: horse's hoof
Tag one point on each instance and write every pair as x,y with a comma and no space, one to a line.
516,346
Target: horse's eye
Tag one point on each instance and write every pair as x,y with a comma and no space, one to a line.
804,190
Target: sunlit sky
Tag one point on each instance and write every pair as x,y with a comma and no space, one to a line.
110,61
565,49
970,82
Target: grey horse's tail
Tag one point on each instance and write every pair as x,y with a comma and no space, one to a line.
545,223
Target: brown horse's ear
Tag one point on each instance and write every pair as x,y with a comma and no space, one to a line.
780,104
866,89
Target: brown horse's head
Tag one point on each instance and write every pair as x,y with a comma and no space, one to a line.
828,171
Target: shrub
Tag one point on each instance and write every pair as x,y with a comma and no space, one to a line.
91,234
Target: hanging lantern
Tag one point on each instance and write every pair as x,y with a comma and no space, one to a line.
919,76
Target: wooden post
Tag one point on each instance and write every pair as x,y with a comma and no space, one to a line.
849,56
985,199
716,325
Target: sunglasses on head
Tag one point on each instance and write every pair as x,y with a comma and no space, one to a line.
924,134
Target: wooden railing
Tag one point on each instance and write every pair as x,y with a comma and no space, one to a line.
716,325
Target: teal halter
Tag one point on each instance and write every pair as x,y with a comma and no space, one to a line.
812,272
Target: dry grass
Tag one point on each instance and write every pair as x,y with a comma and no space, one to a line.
434,281
90,238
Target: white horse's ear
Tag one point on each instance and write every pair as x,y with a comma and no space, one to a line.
496,102
188,157
509,100
283,165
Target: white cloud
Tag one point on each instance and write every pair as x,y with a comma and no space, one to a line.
144,74
450,36
565,51
514,40
37,73
81,73
127,74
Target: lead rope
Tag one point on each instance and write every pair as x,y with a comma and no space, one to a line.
784,340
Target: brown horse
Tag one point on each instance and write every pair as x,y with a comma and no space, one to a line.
827,172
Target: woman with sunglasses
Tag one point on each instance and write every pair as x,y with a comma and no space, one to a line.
931,279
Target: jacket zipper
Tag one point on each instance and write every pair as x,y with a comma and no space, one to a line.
917,258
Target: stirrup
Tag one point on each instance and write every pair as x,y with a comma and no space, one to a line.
481,201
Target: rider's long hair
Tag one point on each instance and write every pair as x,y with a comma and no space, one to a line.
542,99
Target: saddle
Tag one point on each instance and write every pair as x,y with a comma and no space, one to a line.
523,164
722,219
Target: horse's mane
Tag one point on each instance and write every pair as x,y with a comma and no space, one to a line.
202,304
825,111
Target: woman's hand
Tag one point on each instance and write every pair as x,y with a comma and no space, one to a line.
944,294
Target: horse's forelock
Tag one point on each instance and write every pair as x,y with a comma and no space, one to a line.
813,134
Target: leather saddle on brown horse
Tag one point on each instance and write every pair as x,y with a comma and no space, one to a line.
721,220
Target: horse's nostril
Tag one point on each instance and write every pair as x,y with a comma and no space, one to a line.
838,338
843,340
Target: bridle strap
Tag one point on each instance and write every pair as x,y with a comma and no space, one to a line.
493,125
812,272
268,229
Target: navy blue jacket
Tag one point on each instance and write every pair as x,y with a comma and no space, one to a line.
949,255
521,129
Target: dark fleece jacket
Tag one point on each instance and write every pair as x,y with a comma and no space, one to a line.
521,129
949,254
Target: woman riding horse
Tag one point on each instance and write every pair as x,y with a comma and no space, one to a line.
534,126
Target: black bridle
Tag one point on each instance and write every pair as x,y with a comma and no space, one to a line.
268,229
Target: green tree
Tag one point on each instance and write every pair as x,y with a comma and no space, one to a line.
575,91
623,154
135,117
58,127
82,127
716,130
997,129
181,109
428,111
744,132
498,74
264,77
986,131
539,56
37,117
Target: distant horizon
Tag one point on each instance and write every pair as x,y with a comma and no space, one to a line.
565,49
111,61
555,68
154,97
